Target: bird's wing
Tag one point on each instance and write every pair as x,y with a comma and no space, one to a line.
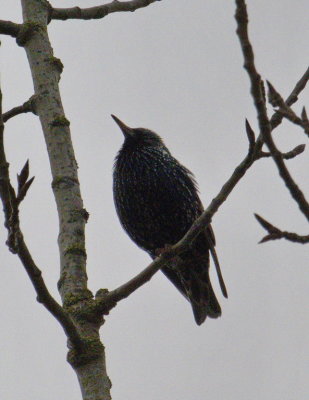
211,242
211,234
218,269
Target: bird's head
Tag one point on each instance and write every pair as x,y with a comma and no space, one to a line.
138,136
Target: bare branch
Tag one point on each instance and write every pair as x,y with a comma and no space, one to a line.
23,190
276,118
89,361
23,176
299,87
44,297
28,106
7,193
251,137
274,97
305,121
98,11
276,100
275,233
107,300
264,123
288,155
293,97
17,244
9,28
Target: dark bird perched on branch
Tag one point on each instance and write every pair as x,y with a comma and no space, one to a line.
157,201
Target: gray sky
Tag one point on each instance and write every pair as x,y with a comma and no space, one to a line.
176,68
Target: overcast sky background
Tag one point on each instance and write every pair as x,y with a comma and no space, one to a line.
174,67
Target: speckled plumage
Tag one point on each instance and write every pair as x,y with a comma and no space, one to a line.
157,201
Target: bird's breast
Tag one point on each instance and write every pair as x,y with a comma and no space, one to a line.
153,199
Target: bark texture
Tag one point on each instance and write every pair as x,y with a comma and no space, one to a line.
88,361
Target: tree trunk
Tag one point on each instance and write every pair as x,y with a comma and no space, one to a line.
88,362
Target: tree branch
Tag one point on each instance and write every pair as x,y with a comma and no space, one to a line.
276,118
28,106
288,155
276,100
89,362
17,244
260,105
9,28
98,11
275,233
305,121
46,298
107,300
251,137
56,129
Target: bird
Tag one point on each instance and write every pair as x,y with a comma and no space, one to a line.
157,200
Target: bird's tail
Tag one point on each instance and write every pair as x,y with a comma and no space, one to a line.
203,299
191,277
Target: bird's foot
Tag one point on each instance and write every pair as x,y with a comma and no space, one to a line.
162,250
174,260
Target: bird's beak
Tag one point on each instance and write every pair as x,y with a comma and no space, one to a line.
126,130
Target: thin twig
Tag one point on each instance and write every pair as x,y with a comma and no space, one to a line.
251,137
44,297
275,233
288,155
305,121
276,118
9,28
98,11
299,87
17,244
264,123
28,106
276,100
108,300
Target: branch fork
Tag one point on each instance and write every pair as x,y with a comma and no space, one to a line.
266,125
276,233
